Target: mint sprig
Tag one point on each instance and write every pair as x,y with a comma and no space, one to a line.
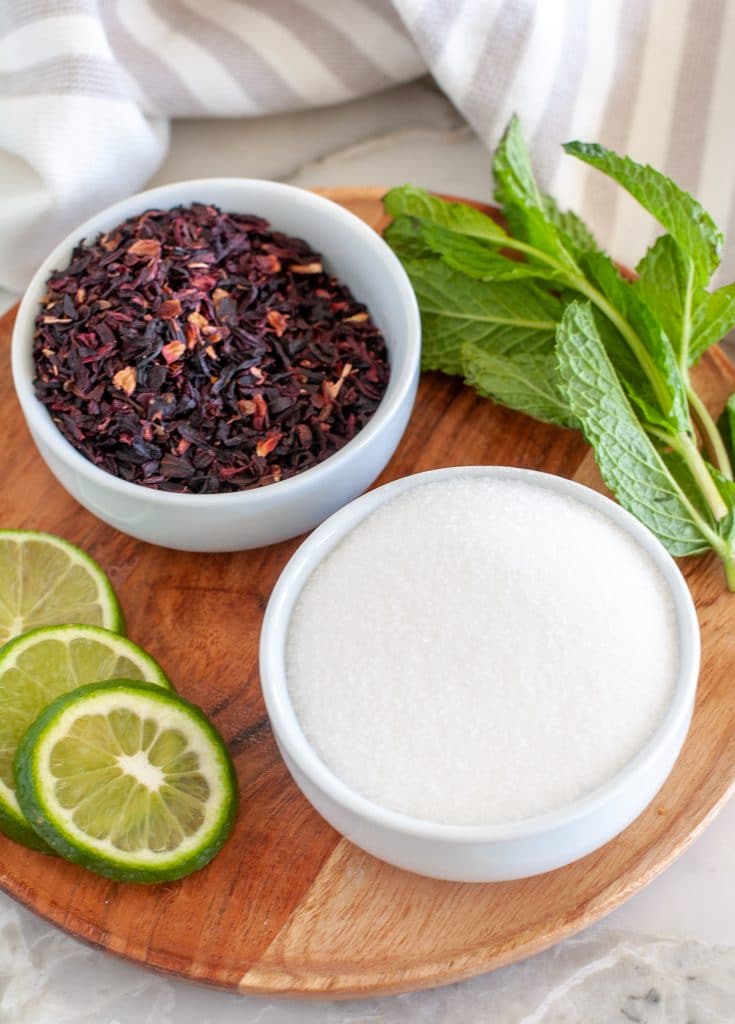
541,320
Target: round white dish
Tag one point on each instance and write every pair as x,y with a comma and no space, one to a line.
244,519
486,853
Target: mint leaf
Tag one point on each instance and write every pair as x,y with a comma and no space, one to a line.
692,317
415,202
575,234
682,216
519,374
630,464
472,256
635,383
726,525
712,318
658,388
666,284
456,310
522,203
680,472
404,236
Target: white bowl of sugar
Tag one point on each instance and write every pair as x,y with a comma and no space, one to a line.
480,674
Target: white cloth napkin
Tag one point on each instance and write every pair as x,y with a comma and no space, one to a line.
88,87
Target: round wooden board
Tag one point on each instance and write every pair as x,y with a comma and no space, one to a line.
289,907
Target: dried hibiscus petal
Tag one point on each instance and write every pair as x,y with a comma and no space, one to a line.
169,309
173,351
278,321
146,248
123,379
266,446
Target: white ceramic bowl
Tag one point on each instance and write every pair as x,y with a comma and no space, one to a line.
485,853
245,519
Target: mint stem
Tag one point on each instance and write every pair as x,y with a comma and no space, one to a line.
698,468
711,434
729,562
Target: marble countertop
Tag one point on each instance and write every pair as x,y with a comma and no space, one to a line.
665,957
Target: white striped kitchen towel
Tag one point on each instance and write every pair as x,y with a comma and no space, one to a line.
88,87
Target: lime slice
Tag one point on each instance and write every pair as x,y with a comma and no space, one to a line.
45,580
37,667
129,780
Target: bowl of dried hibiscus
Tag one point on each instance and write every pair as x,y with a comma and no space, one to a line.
219,364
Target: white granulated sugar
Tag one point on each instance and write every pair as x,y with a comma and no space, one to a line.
480,651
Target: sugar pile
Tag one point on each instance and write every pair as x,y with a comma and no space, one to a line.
480,651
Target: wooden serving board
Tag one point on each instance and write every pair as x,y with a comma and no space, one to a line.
289,907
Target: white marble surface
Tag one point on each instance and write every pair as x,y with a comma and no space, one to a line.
665,957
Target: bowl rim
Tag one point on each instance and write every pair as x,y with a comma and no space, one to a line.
400,385
296,746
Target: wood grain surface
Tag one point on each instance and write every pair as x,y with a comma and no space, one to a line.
288,906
